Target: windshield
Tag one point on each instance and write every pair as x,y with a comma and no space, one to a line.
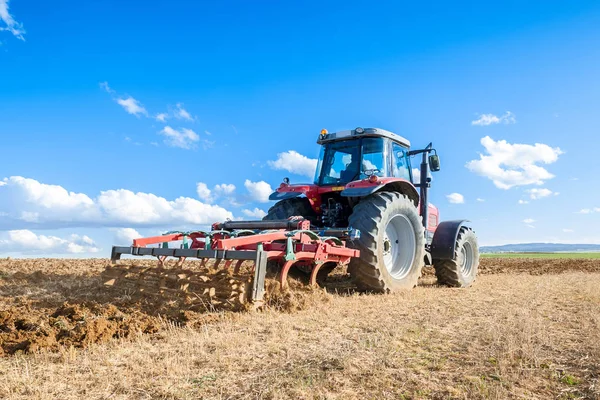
339,162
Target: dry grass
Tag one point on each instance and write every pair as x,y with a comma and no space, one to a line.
509,336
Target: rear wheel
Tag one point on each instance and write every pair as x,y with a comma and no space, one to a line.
298,206
462,270
391,243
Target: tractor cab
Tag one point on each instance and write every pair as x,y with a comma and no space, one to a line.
357,154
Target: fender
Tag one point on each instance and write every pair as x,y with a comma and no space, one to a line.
444,239
364,188
284,195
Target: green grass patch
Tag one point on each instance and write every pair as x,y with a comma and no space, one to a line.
541,255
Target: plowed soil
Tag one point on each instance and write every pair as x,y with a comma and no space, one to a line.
53,303
528,328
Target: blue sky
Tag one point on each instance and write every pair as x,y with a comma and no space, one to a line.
245,88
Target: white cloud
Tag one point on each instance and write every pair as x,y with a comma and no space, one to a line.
589,210
480,200
224,188
125,236
104,86
536,193
509,165
132,106
203,191
183,138
416,173
162,117
530,226
568,230
529,221
256,213
294,162
12,26
28,203
181,113
259,191
455,198
523,202
26,242
490,119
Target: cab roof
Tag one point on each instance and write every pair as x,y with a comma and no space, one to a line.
356,133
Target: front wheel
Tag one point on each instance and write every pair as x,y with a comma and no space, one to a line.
462,270
391,243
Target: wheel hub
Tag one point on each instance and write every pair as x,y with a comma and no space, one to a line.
399,246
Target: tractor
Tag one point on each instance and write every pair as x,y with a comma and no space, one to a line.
364,180
362,211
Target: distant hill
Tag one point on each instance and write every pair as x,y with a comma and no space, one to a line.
539,247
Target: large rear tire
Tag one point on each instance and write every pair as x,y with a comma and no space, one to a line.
391,243
462,270
297,206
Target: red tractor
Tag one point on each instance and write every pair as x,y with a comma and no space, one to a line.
364,181
362,211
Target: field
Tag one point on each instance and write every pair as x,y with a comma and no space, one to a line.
528,328
542,255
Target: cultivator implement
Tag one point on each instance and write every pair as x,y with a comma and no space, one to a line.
232,259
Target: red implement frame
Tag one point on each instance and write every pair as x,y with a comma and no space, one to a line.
286,246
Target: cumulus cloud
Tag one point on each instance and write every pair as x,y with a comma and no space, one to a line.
27,203
523,202
256,213
536,193
259,191
509,165
26,242
490,119
125,236
203,191
480,200
455,198
416,173
529,221
12,26
225,188
294,162
132,106
183,138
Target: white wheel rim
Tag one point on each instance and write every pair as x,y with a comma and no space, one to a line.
399,246
466,262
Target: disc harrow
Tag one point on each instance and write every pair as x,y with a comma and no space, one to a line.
231,259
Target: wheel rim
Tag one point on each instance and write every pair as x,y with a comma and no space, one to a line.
466,253
399,246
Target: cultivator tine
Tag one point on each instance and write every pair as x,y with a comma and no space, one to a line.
284,272
260,272
238,265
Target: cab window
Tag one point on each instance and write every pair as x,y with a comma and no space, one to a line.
400,162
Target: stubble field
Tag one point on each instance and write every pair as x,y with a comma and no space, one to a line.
527,328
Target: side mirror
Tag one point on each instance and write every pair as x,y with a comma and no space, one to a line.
434,163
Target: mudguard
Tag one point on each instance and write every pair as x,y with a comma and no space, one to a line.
284,195
444,239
